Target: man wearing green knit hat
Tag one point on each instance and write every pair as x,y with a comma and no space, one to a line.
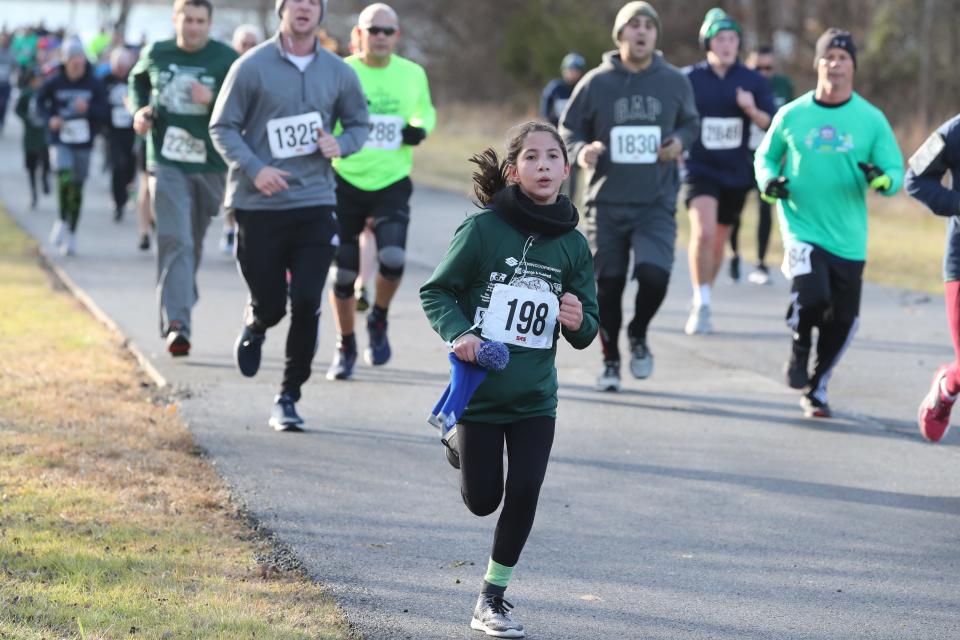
718,167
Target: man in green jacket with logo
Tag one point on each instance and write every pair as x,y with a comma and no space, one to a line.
172,88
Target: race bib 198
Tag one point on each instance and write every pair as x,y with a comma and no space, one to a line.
521,316
294,136
75,131
385,132
721,133
796,259
121,118
180,146
634,145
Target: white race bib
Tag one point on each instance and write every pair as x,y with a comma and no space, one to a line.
294,136
796,259
75,131
756,137
521,316
558,106
721,133
121,118
180,146
634,145
385,132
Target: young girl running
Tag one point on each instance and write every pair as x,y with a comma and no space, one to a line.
517,272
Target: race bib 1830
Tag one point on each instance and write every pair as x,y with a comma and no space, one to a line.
385,132
294,136
721,133
521,316
634,145
180,146
796,259
75,131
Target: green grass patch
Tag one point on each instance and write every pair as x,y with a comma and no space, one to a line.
111,526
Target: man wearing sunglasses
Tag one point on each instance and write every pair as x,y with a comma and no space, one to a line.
374,184
761,61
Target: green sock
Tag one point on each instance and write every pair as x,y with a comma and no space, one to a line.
498,575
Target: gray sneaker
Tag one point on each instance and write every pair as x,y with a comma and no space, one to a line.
699,321
641,359
609,380
492,616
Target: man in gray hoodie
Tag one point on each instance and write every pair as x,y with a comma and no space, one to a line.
273,122
627,122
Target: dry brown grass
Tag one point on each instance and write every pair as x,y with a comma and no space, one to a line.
111,522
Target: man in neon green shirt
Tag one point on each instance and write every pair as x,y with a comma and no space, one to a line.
374,184
821,153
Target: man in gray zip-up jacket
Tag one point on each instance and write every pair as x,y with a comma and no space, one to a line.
626,123
273,122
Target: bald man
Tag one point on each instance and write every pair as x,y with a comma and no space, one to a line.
120,131
374,184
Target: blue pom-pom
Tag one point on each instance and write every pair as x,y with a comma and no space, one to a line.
493,356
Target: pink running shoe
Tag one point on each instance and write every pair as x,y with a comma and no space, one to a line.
934,413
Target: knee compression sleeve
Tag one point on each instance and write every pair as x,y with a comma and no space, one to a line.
391,261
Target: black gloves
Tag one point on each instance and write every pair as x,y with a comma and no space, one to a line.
413,135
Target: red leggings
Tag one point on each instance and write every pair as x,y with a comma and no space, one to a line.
952,294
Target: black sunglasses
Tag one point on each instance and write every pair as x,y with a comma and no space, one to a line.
765,68
387,31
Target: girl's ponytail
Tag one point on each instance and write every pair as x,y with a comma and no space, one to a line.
489,177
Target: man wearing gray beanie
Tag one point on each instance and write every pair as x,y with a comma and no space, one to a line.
626,124
287,109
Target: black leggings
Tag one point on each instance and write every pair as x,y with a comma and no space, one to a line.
652,282
481,476
39,159
764,225
123,164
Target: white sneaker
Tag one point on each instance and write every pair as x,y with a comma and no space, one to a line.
68,247
760,275
492,616
56,233
699,321
609,380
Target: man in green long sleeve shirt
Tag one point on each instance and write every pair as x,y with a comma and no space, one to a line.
819,156
172,88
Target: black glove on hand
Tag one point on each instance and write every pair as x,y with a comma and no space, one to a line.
876,178
776,189
413,135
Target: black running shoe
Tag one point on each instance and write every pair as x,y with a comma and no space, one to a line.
814,407
363,303
735,269
796,368
284,416
144,244
247,350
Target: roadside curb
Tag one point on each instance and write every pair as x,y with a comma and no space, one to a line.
48,263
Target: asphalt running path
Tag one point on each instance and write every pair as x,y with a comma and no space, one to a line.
697,504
